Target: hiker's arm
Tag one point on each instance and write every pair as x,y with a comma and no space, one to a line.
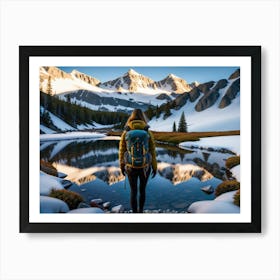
152,146
122,149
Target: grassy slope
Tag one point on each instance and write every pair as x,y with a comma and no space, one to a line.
178,137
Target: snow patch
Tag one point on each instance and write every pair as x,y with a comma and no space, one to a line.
71,135
231,143
52,205
236,172
49,182
211,119
59,123
46,129
222,204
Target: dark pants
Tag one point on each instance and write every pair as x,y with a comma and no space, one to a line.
133,174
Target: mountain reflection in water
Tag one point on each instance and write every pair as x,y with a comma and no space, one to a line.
93,167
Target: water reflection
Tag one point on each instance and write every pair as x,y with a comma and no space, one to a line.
93,167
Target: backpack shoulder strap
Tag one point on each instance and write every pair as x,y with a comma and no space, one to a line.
146,127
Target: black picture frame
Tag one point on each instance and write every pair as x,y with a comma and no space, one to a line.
254,52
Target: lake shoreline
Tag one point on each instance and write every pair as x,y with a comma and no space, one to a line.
182,170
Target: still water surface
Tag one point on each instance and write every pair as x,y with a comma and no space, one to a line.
92,166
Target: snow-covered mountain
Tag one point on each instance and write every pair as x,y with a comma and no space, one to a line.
214,105
134,82
132,90
175,84
131,81
62,82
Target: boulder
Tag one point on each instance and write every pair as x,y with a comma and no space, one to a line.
208,189
107,205
49,182
61,175
91,210
52,205
66,184
97,201
117,209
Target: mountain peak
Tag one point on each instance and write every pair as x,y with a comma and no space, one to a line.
84,77
174,83
132,72
76,72
172,76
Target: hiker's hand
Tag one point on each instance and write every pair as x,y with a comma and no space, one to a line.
123,169
154,172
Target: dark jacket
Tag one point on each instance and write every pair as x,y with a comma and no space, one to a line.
138,124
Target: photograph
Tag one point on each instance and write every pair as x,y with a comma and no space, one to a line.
139,139
142,135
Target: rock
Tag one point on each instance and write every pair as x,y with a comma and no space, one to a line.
66,184
83,205
181,100
220,84
117,209
224,102
222,204
93,204
208,189
52,205
89,210
211,95
205,87
194,94
207,100
163,96
107,205
235,74
96,200
61,175
48,169
48,182
230,94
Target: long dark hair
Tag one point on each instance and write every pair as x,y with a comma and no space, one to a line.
137,114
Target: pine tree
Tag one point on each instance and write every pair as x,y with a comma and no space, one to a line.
157,112
174,127
149,113
49,86
182,127
46,119
167,112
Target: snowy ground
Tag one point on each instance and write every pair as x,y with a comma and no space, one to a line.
71,135
231,143
236,172
48,182
63,126
211,119
221,204
46,129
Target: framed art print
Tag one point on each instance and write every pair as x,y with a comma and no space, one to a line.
140,138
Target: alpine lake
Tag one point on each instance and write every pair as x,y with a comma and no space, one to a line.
92,167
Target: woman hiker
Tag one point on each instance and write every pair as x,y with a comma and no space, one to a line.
137,156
